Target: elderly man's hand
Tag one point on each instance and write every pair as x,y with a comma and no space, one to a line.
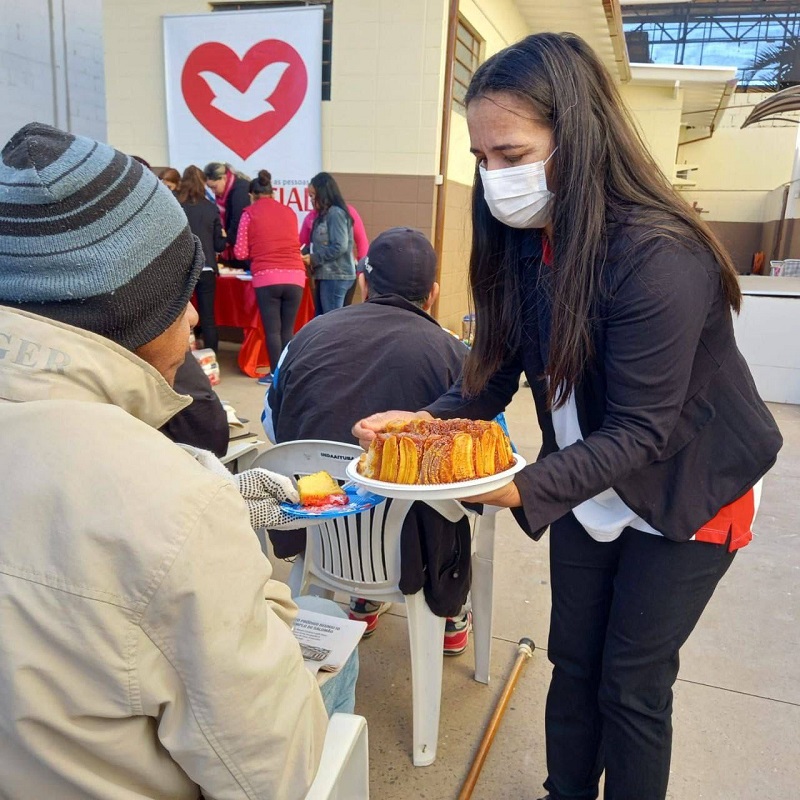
264,491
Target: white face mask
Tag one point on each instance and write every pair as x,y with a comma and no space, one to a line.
518,196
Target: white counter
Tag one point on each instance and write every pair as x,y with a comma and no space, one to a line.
769,287
768,334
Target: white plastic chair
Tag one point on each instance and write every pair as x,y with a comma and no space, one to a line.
343,772
360,557
241,455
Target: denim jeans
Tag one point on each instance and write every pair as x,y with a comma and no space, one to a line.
332,293
339,692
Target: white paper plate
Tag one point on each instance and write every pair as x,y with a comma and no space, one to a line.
437,491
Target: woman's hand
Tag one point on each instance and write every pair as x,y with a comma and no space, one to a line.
307,259
366,429
506,497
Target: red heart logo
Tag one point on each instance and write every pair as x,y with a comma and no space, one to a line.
244,102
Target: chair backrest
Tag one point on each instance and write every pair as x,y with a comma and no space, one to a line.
305,456
359,552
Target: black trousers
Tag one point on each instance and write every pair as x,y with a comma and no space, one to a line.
206,288
621,612
278,306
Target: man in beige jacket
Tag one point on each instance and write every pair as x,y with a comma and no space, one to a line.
145,652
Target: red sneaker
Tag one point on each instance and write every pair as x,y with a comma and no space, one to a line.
367,611
456,634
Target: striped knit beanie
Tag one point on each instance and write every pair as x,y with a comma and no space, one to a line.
91,238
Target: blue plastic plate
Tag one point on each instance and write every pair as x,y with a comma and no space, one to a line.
358,503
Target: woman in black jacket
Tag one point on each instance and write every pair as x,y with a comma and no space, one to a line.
206,225
600,284
233,196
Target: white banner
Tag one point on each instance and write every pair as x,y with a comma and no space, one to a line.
244,87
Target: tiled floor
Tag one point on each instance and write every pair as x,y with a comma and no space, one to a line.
737,702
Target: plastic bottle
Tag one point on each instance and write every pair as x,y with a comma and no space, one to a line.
468,328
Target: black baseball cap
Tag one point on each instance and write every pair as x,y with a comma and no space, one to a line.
400,261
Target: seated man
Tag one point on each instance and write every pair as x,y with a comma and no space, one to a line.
145,650
350,363
204,423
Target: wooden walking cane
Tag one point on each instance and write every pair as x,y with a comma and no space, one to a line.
525,650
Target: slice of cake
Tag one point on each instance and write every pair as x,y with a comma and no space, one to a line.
320,489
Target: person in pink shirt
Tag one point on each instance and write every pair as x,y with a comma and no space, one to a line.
360,239
267,236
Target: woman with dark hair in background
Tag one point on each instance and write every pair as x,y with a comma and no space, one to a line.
205,224
268,238
232,196
331,257
592,277
170,177
360,241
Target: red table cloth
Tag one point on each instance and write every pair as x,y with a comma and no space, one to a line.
235,306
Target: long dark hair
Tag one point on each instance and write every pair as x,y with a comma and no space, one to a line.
328,193
192,188
604,171
262,185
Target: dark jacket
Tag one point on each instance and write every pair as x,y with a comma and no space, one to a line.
204,423
669,412
356,361
206,225
237,200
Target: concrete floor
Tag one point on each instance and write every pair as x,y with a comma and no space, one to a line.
737,702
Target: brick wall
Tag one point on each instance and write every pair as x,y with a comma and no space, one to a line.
385,105
454,294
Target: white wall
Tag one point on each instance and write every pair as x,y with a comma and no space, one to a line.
51,65
135,101
757,158
499,24
738,168
657,113
85,72
385,108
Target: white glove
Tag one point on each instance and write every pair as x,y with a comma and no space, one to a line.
264,491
